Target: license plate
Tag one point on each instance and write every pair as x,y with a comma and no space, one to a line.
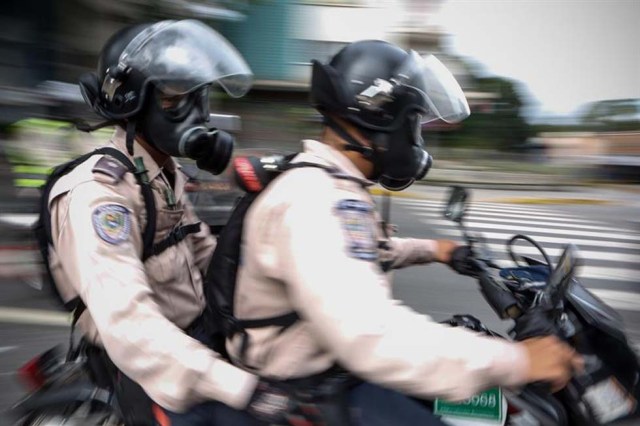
483,406
609,400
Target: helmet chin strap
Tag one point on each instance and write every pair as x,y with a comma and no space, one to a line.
353,144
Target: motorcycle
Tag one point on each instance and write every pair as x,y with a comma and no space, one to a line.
71,389
541,299
545,300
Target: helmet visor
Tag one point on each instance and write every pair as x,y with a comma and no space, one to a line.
180,56
436,85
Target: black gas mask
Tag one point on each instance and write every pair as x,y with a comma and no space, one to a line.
175,125
398,156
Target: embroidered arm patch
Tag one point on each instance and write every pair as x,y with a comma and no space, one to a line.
358,224
112,223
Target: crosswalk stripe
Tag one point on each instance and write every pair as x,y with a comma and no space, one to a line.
623,300
473,208
609,273
563,219
544,230
529,221
584,254
494,221
551,240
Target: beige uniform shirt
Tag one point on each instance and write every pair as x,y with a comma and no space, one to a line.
311,246
137,310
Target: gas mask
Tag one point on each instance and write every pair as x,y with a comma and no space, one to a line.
175,125
398,156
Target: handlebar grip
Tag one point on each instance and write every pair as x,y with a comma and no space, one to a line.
499,298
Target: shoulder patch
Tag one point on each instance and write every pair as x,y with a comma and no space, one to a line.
110,167
112,223
359,226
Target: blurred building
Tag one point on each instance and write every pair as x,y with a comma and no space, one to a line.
43,53
608,140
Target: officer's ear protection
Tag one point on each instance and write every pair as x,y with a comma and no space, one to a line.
90,89
327,88
120,95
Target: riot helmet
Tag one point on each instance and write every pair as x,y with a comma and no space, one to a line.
387,93
154,78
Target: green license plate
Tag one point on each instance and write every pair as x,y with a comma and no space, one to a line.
486,405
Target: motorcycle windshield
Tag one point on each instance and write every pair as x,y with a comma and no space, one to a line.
181,56
437,87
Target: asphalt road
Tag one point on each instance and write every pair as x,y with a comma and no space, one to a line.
29,323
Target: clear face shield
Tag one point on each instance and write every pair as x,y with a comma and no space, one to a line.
180,60
435,85
181,56
428,92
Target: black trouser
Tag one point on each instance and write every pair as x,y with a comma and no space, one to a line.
210,413
133,402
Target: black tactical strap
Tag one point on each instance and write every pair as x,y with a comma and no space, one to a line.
77,305
335,173
175,236
240,326
284,321
147,195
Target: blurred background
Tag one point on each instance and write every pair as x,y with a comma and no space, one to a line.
556,86
554,131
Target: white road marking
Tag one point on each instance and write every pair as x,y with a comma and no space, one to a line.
622,300
541,229
504,236
438,214
7,348
474,207
25,220
584,254
528,221
34,316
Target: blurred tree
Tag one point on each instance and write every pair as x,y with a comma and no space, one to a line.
497,121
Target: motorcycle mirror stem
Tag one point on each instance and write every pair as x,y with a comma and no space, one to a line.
562,274
456,208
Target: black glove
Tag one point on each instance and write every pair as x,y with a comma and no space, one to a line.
276,403
462,261
535,322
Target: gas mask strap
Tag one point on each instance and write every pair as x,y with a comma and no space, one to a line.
352,143
131,134
83,126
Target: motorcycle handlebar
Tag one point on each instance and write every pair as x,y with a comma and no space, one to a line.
499,298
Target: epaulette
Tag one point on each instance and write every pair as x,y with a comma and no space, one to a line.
110,167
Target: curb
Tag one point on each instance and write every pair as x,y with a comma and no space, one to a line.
572,201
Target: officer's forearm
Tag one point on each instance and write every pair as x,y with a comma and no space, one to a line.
412,251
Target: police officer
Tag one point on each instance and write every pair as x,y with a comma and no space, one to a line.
143,298
314,245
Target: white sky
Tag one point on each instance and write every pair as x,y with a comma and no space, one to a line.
567,52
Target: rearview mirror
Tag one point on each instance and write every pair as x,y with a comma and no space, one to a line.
457,204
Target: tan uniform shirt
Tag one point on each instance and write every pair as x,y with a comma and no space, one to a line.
137,310
311,246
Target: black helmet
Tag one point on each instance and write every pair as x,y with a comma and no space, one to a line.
388,93
155,78
176,56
